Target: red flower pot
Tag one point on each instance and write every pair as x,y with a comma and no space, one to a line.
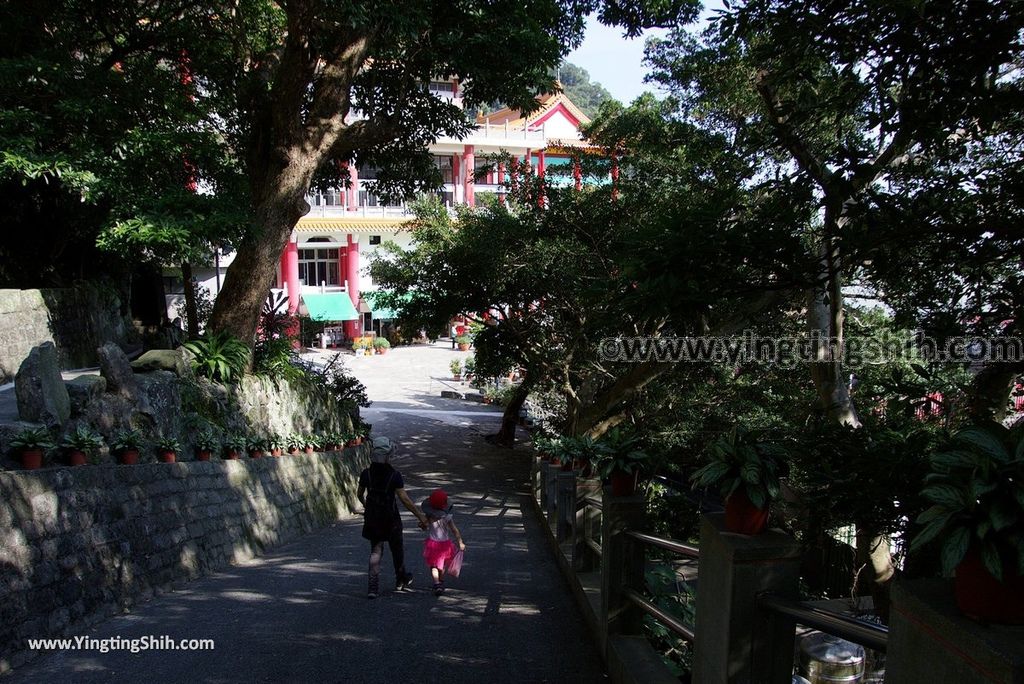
352,443
623,484
32,459
256,453
293,450
982,597
742,516
128,457
77,458
309,450
463,347
231,455
275,451
203,455
167,457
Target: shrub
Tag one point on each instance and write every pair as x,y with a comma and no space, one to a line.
381,343
220,357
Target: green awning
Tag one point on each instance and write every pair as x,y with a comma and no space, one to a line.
331,306
381,312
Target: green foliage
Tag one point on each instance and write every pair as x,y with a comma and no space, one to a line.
381,343
623,453
586,94
204,305
219,356
236,442
463,339
976,488
206,439
455,367
32,438
470,365
362,428
741,459
83,439
167,443
126,440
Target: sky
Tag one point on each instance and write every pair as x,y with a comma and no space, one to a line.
616,62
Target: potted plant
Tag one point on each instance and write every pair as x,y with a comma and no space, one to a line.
234,445
167,449
125,446
32,444
295,443
359,346
470,367
82,445
976,488
456,368
275,443
206,444
310,443
362,430
623,462
463,341
585,453
746,470
381,345
255,446
543,445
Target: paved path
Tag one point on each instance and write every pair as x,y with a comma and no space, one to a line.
300,613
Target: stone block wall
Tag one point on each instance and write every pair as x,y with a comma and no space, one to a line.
80,544
76,320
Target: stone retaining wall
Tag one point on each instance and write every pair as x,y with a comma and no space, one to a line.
80,544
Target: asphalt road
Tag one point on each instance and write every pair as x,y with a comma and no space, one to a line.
300,613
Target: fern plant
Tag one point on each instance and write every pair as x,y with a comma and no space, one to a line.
220,357
740,459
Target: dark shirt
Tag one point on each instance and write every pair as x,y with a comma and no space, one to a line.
380,477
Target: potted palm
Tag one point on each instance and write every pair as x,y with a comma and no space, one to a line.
456,368
31,444
167,449
310,443
976,488
234,446
623,462
276,444
747,471
206,444
463,341
82,445
125,445
381,345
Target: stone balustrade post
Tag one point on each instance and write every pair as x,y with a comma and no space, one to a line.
551,490
622,562
565,509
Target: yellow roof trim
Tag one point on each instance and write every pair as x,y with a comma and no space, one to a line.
351,225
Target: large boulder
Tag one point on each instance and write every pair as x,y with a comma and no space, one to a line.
84,390
39,387
177,361
116,370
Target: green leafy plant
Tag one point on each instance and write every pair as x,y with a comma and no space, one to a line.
739,459
83,439
470,366
381,343
256,443
167,443
455,367
275,441
236,442
32,438
622,453
586,450
206,440
976,488
362,428
360,345
219,357
463,339
126,440
311,441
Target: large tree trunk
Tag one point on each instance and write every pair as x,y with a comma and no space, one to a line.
191,313
990,391
506,436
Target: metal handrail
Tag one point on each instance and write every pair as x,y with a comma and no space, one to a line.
667,544
858,631
658,614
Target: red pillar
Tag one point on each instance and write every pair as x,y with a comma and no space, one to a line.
615,176
540,177
352,199
353,328
290,275
501,182
577,173
467,179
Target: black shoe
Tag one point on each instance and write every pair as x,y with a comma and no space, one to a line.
404,583
438,589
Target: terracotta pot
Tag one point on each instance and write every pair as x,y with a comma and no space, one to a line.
231,455
203,455
382,351
352,443
457,378
32,459
128,457
982,597
463,347
293,450
77,458
167,456
276,451
623,484
742,516
256,453
309,450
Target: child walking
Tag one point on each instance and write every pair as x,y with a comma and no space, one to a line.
439,548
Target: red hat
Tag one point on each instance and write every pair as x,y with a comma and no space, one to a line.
439,500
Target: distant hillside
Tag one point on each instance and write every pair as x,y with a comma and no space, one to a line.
585,94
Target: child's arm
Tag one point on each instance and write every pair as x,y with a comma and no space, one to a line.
458,535
412,508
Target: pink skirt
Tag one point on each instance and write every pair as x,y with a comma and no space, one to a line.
437,553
